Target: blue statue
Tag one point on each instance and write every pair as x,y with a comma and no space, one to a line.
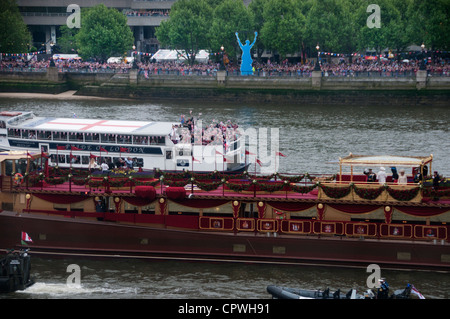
246,60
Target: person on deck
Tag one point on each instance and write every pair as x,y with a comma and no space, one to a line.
402,179
382,176
371,176
436,180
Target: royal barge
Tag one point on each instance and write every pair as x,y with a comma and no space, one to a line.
340,219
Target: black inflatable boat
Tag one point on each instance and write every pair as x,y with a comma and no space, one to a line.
278,292
15,271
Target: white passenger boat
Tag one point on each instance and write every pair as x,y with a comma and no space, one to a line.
74,142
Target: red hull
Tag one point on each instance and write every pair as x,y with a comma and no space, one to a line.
58,235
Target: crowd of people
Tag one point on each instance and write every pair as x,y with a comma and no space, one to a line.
192,130
146,13
336,67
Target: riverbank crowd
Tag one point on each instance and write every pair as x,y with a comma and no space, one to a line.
336,67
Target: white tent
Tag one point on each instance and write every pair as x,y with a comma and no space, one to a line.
174,55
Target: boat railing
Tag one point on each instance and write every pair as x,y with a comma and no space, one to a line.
288,186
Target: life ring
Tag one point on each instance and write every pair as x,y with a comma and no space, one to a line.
18,178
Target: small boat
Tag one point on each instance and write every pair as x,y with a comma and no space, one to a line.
278,292
15,271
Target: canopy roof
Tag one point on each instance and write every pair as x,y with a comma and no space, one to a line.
173,55
13,155
385,160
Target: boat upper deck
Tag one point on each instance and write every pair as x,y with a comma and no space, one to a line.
96,126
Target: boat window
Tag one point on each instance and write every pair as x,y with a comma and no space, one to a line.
61,159
8,167
44,135
2,124
124,139
91,137
74,160
29,134
105,159
108,138
140,140
85,160
14,132
21,166
60,136
156,140
138,162
76,137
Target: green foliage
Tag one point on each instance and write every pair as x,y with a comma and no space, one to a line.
104,33
283,26
289,26
429,23
229,17
67,41
14,34
188,27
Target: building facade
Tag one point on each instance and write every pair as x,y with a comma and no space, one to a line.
44,18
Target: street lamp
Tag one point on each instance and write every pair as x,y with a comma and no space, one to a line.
222,65
422,62
52,63
134,65
317,66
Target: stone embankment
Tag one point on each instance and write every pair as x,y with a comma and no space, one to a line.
317,89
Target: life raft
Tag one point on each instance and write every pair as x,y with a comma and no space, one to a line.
18,179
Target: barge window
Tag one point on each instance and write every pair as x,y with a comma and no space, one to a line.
91,137
76,137
108,138
60,136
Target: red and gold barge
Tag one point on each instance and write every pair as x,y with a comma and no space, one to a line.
287,219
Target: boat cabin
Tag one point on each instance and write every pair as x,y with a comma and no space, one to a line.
358,164
14,165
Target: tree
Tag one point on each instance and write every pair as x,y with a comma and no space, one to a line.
256,11
104,33
187,28
430,23
331,24
14,34
67,41
230,16
392,32
283,26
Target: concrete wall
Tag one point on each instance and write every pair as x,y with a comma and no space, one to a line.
420,90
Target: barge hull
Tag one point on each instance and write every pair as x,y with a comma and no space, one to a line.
54,235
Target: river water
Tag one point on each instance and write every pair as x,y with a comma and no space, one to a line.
311,137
